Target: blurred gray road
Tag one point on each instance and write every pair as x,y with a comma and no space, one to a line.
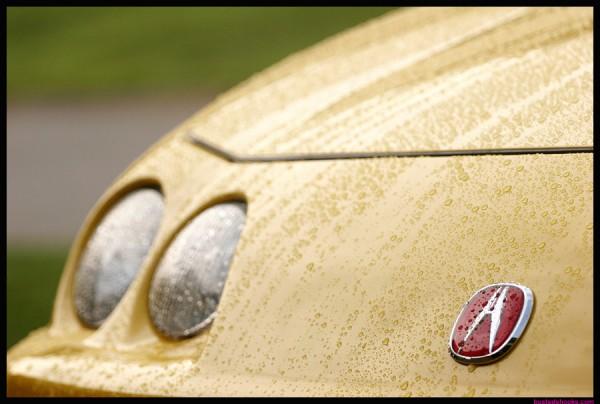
62,156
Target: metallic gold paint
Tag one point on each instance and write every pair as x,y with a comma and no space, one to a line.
349,274
421,79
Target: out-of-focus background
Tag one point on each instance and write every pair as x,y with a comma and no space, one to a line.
89,89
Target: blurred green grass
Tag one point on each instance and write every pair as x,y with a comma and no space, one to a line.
55,52
31,282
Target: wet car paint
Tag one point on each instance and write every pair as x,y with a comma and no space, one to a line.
348,274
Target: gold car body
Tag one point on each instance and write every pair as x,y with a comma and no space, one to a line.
350,272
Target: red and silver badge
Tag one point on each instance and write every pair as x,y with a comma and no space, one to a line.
490,323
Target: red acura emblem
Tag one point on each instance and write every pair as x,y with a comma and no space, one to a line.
490,323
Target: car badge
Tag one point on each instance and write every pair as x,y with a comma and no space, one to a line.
490,323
